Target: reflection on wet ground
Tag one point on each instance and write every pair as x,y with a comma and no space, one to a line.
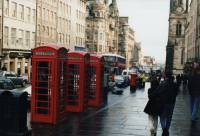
123,116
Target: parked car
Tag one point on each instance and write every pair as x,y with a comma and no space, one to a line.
6,84
121,81
12,76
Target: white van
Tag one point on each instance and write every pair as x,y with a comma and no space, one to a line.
128,72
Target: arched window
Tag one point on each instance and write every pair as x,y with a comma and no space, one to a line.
178,29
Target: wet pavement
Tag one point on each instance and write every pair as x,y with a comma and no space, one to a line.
123,116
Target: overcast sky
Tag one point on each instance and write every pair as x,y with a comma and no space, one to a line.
149,18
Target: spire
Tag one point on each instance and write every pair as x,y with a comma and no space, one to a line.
114,3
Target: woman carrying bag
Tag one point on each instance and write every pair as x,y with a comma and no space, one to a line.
154,106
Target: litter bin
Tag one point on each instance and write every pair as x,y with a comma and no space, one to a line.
18,124
5,107
17,114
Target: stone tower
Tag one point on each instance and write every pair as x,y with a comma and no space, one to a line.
102,26
176,37
96,33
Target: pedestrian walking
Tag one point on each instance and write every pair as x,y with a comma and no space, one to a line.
194,91
185,82
169,92
152,108
178,80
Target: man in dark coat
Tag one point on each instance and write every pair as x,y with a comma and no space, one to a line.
194,90
169,93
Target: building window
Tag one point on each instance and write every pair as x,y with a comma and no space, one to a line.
101,36
28,14
69,39
178,29
21,12
27,38
0,25
47,31
33,39
43,29
51,32
95,48
34,17
39,11
13,36
38,29
14,9
6,33
6,5
69,26
21,38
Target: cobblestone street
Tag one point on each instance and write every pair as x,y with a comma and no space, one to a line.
123,116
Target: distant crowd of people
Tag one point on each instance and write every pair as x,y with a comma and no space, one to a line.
162,98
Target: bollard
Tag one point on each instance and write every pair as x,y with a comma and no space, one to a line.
5,111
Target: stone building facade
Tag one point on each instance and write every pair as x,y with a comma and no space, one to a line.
192,40
102,23
123,33
61,22
127,43
176,36
27,24
136,54
18,18
191,33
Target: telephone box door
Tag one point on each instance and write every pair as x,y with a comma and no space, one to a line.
96,82
73,86
43,90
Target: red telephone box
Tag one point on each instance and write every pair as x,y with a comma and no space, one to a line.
133,83
48,84
96,82
77,81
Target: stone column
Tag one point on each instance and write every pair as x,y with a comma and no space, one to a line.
29,70
23,66
15,65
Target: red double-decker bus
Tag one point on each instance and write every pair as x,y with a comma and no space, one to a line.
114,64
